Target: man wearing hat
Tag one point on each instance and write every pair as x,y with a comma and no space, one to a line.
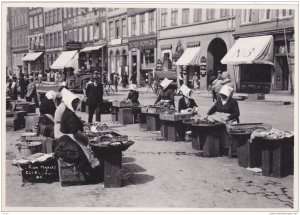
94,93
31,92
186,103
166,95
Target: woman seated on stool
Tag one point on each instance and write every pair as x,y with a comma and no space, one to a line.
133,95
228,109
166,95
186,104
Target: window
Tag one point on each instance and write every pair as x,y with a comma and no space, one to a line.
210,14
149,56
80,35
78,11
66,36
197,15
54,16
164,14
31,23
117,29
85,33
75,35
58,15
69,12
124,29
282,13
47,41
70,35
41,20
133,25
59,38
174,17
91,32
246,16
142,24
224,12
151,22
74,11
46,19
65,12
25,19
111,30
185,16
90,9
50,18
96,31
55,40
264,14
51,41
103,35
36,22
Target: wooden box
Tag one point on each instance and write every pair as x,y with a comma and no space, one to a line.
278,157
249,154
69,175
153,122
174,116
40,172
114,114
18,123
173,130
152,109
117,103
125,116
143,121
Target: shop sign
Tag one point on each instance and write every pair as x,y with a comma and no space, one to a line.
73,45
142,44
116,42
178,51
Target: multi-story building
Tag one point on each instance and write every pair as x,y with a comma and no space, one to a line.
53,35
84,30
142,42
198,39
35,58
117,34
18,18
277,74
8,45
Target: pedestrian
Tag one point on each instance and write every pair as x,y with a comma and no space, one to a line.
116,81
133,77
14,89
8,86
195,81
48,77
166,94
40,76
32,92
180,79
48,104
22,85
124,79
186,103
94,93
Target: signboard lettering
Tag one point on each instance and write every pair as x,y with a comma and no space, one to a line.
142,44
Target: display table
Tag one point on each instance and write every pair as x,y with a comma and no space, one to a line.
207,136
152,116
172,127
124,112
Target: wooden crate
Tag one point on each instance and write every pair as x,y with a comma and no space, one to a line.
173,130
153,122
69,175
152,109
125,116
114,114
278,157
143,121
117,103
174,116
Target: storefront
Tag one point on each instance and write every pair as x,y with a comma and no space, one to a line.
93,58
117,61
254,55
142,58
34,62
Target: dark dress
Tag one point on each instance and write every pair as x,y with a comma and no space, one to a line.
182,105
14,92
231,107
94,101
167,94
133,96
70,123
47,107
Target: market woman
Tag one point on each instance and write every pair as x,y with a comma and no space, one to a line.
186,104
166,94
31,92
73,137
48,105
133,95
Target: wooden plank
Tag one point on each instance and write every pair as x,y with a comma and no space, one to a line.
112,168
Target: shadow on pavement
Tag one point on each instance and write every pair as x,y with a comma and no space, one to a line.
127,160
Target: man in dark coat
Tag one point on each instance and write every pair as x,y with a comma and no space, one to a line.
14,89
94,93
22,85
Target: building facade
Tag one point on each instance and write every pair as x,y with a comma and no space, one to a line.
117,42
142,43
8,45
53,35
280,25
19,31
84,30
184,29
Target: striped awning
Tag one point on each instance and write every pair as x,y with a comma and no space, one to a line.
32,56
190,57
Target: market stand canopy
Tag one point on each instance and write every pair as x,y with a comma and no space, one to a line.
251,50
32,56
63,59
93,48
190,57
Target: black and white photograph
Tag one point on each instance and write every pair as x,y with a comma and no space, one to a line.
150,106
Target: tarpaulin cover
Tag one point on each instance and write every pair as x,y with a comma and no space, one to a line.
63,59
190,57
251,50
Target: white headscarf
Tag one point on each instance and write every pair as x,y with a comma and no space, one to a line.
132,87
185,91
51,95
227,91
165,83
68,97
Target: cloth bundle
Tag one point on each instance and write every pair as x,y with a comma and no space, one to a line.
218,117
273,134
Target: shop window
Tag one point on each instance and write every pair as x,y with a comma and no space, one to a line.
280,47
174,17
117,29
149,56
91,32
210,14
164,14
264,14
111,30
224,13
197,15
133,25
151,22
124,28
246,16
185,16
